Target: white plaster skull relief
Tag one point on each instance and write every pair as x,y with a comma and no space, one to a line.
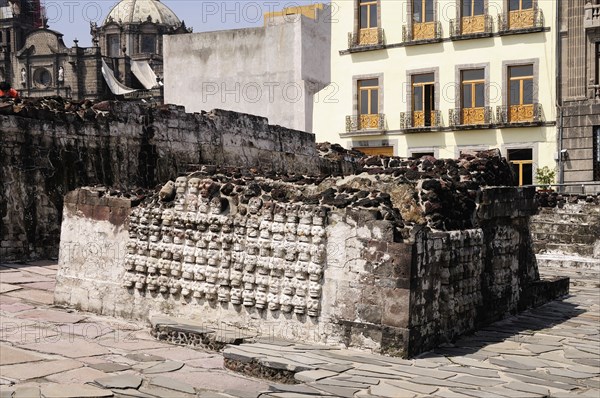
194,186
175,268
201,256
178,236
261,300
155,250
223,277
299,304
163,266
214,257
151,265
156,216
304,252
236,296
267,211
275,284
152,283
186,288
189,253
217,205
132,246
306,214
279,213
249,298
262,265
181,185
286,303
291,213
273,300
254,205
224,294
167,217
167,235
301,270
237,259
187,271
318,234
178,253
140,263
198,289
288,287
304,233
140,281
250,263
314,289
200,272
210,292
320,216
315,271
318,254
154,233
129,280
203,207
214,226
262,282
212,274
236,277
179,204
144,217
163,283
249,278
130,262
225,260
278,230
265,230
313,307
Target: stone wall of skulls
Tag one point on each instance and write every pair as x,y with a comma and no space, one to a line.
231,248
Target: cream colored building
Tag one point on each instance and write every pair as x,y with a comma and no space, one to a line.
438,77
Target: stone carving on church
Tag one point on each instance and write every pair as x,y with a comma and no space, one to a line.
240,249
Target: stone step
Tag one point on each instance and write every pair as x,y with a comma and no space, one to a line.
592,218
582,250
573,237
571,262
197,334
562,227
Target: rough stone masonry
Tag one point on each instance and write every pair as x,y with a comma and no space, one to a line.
49,147
397,257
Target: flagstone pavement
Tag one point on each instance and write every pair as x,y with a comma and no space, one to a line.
551,351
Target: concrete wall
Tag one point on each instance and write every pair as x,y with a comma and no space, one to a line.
272,71
50,147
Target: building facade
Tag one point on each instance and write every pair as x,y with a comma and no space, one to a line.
579,110
272,71
440,77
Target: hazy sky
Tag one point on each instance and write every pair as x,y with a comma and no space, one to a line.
72,18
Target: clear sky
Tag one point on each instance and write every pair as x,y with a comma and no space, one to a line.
72,18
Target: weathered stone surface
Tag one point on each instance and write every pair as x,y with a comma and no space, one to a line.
10,356
27,371
171,384
74,391
165,367
120,381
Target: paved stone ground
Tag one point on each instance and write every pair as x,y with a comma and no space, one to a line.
44,351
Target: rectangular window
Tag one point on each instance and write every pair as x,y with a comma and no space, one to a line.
423,11
368,14
419,155
518,5
521,93
376,150
114,45
473,96
471,8
368,103
596,153
423,100
522,163
148,44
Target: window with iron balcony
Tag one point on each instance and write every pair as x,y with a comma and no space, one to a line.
368,117
473,111
521,106
423,114
592,14
472,20
424,25
521,15
367,32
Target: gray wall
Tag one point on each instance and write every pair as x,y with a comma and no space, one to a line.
271,71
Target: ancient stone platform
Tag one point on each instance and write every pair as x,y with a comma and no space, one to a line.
551,351
400,257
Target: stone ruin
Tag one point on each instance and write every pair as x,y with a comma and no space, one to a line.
398,257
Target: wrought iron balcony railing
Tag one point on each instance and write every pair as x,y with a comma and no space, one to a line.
422,31
420,120
366,38
591,16
365,122
470,116
532,18
467,26
515,114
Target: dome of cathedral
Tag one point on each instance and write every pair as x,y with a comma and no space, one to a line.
137,11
